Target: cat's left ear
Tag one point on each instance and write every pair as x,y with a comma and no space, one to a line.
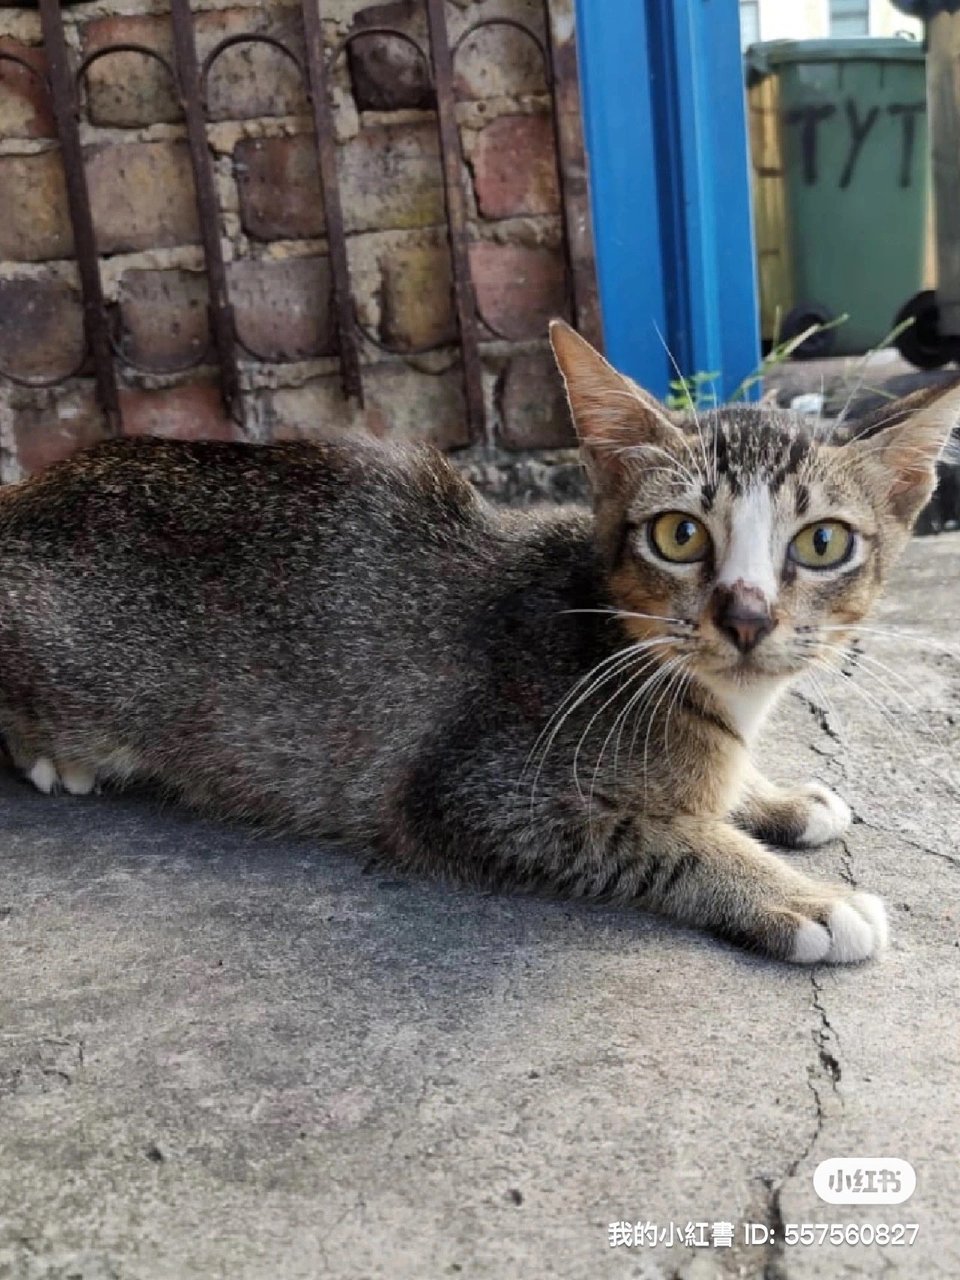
614,418
900,446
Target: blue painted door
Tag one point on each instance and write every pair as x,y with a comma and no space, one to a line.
665,126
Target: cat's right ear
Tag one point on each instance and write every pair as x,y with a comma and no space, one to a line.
898,447
614,418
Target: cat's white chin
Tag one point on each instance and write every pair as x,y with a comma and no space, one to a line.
856,929
747,703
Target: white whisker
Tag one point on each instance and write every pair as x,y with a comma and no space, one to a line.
602,673
650,721
686,676
693,407
630,613
894,633
620,719
590,723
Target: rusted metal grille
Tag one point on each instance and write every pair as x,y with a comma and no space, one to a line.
105,350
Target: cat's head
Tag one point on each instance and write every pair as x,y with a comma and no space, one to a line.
756,538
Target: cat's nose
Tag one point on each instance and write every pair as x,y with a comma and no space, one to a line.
743,618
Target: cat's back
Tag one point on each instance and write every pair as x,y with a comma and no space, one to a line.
382,539
294,621
136,487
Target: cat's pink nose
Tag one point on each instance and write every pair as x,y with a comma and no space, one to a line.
742,619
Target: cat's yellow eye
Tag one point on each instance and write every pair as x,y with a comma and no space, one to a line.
679,538
823,545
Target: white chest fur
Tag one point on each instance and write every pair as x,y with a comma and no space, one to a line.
749,707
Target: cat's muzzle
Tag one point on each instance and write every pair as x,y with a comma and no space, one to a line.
742,616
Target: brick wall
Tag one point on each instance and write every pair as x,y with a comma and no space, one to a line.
273,232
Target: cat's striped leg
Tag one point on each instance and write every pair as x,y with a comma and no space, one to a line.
798,817
705,873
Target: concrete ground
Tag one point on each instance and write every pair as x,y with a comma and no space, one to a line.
226,1057
853,385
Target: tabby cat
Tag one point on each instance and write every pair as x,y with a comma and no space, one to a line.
345,639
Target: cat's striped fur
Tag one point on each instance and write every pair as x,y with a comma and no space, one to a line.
345,639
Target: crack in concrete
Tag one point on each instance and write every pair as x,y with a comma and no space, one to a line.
846,863
820,714
923,848
835,758
827,1070
829,1061
907,840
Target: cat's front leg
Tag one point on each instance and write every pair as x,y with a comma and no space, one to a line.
705,873
798,817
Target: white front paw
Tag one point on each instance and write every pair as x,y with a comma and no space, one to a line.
829,815
856,929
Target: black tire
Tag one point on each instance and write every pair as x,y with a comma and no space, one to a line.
800,318
930,520
948,493
922,343
935,515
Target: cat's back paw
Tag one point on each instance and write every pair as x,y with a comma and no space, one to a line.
828,816
50,778
78,780
44,776
854,928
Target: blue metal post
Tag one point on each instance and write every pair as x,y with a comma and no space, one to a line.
665,127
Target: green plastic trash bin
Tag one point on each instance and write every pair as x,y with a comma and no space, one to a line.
840,165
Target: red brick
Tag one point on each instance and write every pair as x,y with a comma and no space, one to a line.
408,405
129,90
399,402
283,309
252,79
416,304
389,178
25,107
314,410
126,90
518,289
41,328
514,167
142,196
279,188
533,407
386,72
193,412
163,318
34,221
498,61
55,427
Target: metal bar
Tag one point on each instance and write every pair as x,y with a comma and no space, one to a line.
558,17
221,312
456,203
332,208
81,218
